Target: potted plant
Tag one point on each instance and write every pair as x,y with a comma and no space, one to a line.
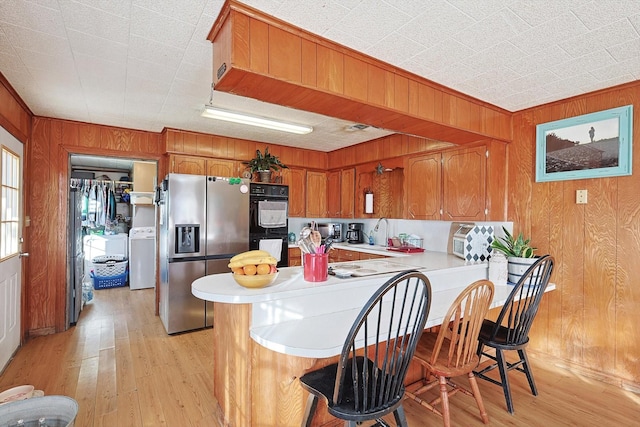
264,163
519,253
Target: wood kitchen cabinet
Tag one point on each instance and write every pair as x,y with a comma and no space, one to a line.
316,194
423,186
333,194
341,193
223,167
187,164
296,179
294,257
450,186
464,185
347,193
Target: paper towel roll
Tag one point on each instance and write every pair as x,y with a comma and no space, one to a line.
368,203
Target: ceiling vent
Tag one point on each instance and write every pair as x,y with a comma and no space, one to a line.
356,127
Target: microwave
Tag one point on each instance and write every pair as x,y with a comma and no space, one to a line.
331,229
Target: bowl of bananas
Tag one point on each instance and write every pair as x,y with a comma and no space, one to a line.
254,269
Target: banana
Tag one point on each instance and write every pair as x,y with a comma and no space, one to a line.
249,254
254,257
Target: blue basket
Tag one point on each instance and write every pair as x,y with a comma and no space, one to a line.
104,282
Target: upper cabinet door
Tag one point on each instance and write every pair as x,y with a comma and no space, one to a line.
221,167
316,194
187,164
296,179
464,184
333,194
347,193
423,187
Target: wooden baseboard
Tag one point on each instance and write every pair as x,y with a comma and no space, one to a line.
623,383
40,332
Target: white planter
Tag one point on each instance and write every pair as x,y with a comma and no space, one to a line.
518,266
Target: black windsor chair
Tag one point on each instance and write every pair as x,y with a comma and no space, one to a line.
510,331
367,382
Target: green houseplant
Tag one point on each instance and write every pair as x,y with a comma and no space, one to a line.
264,163
519,252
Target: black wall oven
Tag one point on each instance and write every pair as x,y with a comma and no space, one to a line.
268,216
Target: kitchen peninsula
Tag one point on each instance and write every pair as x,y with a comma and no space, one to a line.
265,339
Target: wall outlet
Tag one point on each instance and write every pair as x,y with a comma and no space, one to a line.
581,197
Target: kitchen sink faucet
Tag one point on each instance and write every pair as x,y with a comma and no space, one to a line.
386,229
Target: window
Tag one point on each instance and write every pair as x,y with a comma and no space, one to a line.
9,204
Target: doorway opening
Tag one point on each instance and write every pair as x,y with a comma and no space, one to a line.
111,202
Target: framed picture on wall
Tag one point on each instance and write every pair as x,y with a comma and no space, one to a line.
593,145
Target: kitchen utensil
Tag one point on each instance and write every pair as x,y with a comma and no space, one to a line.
327,244
316,238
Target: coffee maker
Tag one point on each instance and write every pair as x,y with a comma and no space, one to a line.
355,232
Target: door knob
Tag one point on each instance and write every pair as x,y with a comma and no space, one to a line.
24,254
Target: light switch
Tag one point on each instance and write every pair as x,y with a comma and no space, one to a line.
581,197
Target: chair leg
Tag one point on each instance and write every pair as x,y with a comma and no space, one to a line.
309,410
527,370
504,378
444,395
476,393
401,419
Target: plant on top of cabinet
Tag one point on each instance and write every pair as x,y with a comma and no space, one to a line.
264,163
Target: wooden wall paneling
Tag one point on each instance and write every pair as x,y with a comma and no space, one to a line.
175,141
390,91
285,55
496,181
222,45
330,72
600,274
309,65
355,86
401,93
241,41
115,139
315,159
15,116
376,87
427,106
190,143
42,196
88,135
259,46
204,144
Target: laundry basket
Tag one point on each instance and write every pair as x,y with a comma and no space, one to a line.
57,411
109,271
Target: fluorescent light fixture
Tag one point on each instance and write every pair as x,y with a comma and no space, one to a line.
245,119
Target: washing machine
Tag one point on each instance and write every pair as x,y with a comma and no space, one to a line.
142,257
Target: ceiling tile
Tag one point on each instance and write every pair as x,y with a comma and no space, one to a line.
36,41
152,51
443,55
305,14
547,57
610,35
395,49
32,16
440,22
583,64
89,20
594,17
88,44
189,11
505,25
625,50
549,33
359,19
120,8
160,28
538,12
616,70
497,56
150,71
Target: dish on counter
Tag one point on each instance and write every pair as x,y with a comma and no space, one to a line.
342,273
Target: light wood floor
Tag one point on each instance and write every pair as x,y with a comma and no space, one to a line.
124,370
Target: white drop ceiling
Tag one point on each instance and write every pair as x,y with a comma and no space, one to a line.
146,64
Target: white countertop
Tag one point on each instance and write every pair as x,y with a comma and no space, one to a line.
312,319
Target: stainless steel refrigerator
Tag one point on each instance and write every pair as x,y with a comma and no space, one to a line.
204,221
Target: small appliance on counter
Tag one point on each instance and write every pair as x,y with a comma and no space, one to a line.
473,242
355,232
330,229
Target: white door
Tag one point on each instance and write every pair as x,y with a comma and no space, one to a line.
10,238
